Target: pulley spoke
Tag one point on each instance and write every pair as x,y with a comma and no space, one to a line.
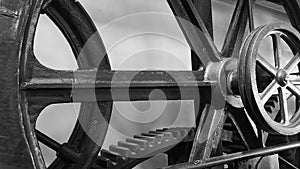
283,105
292,63
269,91
293,89
263,63
276,49
297,104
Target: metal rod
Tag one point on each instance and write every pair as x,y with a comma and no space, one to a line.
250,13
287,163
48,141
215,161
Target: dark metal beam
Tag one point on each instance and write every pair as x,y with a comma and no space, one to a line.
93,85
42,97
117,79
118,86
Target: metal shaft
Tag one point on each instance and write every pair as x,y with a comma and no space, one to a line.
215,161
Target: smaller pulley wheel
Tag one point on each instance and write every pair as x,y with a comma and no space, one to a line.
269,78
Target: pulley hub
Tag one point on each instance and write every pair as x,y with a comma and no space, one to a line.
282,77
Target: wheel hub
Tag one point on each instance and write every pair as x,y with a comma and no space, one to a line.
281,77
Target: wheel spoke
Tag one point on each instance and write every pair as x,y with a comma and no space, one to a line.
276,49
246,130
294,79
283,105
269,91
47,141
266,65
236,31
250,15
295,83
210,128
198,39
63,151
293,89
292,63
